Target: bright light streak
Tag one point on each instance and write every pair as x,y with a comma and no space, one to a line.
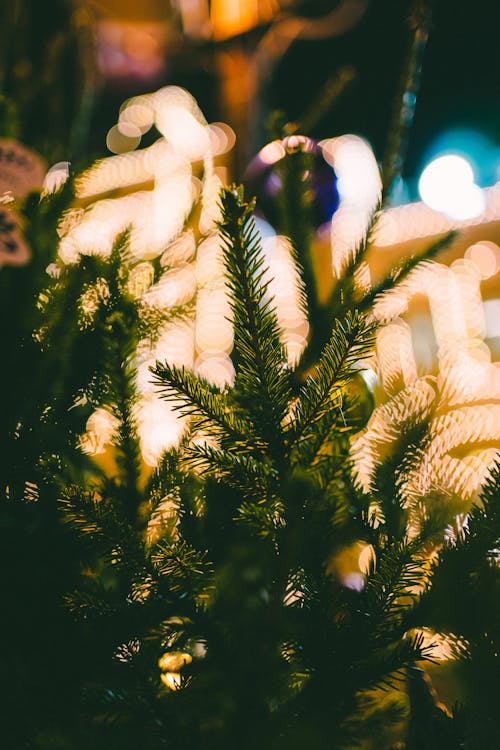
286,291
102,427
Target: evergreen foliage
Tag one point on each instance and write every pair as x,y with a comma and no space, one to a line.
212,593
219,600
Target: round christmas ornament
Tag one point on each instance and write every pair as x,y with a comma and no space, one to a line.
264,177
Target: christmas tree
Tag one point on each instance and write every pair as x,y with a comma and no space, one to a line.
287,567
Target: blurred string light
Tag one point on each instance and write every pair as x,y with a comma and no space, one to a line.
175,173
123,137
447,185
461,403
485,256
418,220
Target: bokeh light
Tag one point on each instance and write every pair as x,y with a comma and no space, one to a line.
123,137
485,256
447,185
359,186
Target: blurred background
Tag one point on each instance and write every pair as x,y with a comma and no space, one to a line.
329,67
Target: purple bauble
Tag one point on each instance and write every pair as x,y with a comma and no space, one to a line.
263,179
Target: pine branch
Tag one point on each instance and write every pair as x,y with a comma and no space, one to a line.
167,475
95,518
122,342
295,217
203,401
340,420
390,588
399,274
153,319
350,341
342,295
467,570
262,374
186,570
255,479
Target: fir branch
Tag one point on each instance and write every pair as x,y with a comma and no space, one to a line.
202,400
340,418
467,570
83,511
167,476
99,524
342,294
262,375
128,455
86,605
186,570
390,588
122,340
350,341
255,479
399,274
266,519
295,216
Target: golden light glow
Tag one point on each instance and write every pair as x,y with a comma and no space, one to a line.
214,330
231,17
216,368
171,680
176,287
138,111
140,279
155,217
101,430
210,206
367,559
173,661
396,360
444,647
159,425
